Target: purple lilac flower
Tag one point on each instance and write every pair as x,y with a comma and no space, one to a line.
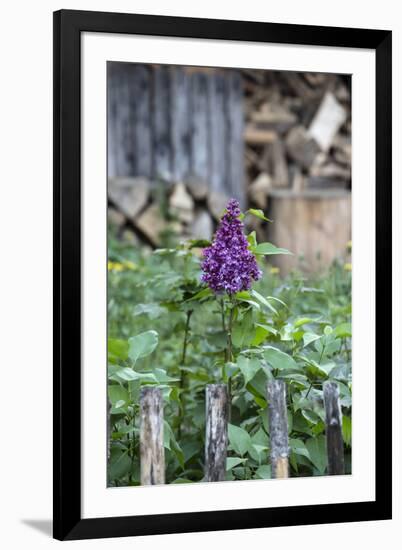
228,265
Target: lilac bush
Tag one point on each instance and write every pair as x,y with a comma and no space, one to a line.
228,265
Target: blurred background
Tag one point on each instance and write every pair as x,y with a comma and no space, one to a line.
183,140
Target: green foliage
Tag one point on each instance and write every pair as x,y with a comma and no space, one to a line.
167,329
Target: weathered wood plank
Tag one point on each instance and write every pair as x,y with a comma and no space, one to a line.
112,137
123,137
140,105
278,428
235,143
180,123
216,434
333,429
152,452
217,129
200,160
162,160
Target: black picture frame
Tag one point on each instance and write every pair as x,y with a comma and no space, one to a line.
68,26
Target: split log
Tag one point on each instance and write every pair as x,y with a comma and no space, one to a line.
181,203
202,228
301,146
257,136
216,434
278,428
129,195
259,190
280,175
151,224
333,429
327,121
152,451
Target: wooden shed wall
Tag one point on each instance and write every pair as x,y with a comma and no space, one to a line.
175,124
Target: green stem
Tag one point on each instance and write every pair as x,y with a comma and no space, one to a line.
185,341
229,353
182,373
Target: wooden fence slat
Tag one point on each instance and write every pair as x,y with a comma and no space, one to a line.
235,143
333,429
180,123
161,123
199,126
123,124
216,433
112,134
278,428
152,452
141,112
218,130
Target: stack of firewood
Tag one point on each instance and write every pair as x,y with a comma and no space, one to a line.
298,132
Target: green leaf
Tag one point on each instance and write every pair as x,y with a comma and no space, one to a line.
201,295
263,301
279,359
248,367
127,374
252,240
119,396
344,330
318,454
142,345
170,443
298,447
120,463
162,377
347,429
268,249
243,332
258,214
261,333
264,472
309,337
233,461
303,321
198,243
117,349
239,439
153,311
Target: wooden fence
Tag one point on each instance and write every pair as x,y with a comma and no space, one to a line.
177,124
216,435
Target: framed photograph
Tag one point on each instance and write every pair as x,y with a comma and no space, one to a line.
222,275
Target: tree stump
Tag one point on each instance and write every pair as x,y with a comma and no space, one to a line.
314,224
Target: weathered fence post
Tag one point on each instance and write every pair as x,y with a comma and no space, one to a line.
333,429
278,428
152,451
216,434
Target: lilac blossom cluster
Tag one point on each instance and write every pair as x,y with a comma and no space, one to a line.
228,265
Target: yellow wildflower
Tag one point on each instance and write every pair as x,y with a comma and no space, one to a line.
347,267
274,270
115,266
